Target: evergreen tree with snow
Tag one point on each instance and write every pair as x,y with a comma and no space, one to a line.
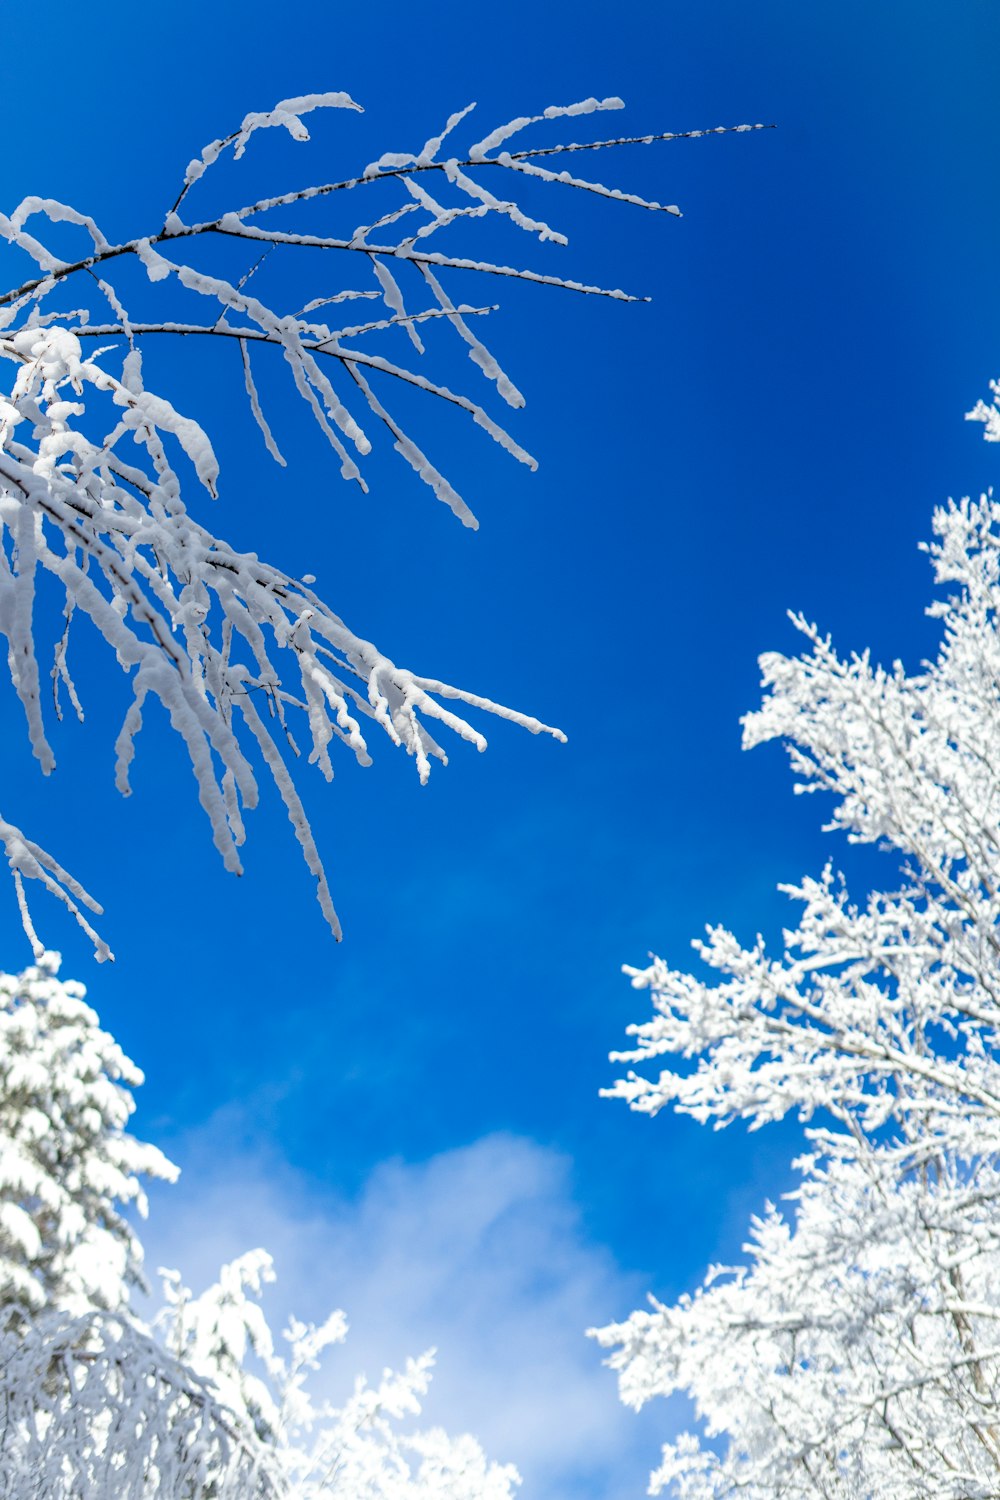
197,1401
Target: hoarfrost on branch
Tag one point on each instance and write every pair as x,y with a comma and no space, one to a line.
856,1352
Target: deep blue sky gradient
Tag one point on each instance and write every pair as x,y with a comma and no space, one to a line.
772,431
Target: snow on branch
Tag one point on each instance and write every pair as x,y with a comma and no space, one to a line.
200,1399
237,652
98,1404
92,1405
855,1352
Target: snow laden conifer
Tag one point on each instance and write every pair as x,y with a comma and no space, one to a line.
68,1166
855,1354
350,285
199,1401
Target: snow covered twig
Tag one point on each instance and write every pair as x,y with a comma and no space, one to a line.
855,1352
234,649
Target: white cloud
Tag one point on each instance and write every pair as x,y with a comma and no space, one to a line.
479,1252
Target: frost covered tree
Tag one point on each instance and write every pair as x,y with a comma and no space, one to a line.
246,660
856,1352
199,1401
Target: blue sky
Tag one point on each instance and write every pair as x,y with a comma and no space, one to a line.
772,431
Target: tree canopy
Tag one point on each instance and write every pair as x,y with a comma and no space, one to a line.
855,1352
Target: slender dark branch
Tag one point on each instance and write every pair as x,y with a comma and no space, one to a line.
628,140
310,242
69,268
429,258
486,161
262,257
257,335
188,184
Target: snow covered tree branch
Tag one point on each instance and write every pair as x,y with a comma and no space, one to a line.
197,1402
856,1353
237,651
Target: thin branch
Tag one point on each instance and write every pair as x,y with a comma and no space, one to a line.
283,199
345,356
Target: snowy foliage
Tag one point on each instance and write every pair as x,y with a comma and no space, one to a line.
97,1405
200,1402
67,1163
857,1352
236,651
